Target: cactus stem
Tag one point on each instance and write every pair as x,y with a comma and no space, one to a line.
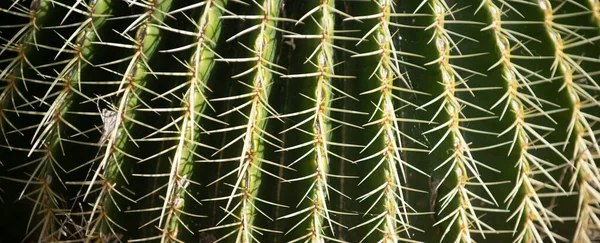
567,65
132,83
321,58
255,136
194,102
530,210
47,139
460,162
394,218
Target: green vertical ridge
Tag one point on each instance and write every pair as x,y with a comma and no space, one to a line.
209,172
27,63
311,217
49,138
178,200
385,208
20,68
506,90
257,82
502,92
575,68
528,112
458,194
113,170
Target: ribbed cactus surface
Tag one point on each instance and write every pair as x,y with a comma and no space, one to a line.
299,120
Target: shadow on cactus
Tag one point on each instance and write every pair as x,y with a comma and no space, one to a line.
299,121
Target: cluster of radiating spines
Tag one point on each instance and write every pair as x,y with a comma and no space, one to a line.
39,186
457,206
392,221
120,118
318,214
12,74
65,87
532,219
241,203
582,89
68,80
187,124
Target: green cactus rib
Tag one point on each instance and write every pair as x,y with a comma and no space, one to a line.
47,138
458,170
392,220
193,104
321,33
568,67
520,106
112,171
45,178
259,79
70,76
24,44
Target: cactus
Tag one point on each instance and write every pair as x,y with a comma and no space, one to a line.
299,121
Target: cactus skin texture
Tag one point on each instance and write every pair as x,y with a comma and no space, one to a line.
299,120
